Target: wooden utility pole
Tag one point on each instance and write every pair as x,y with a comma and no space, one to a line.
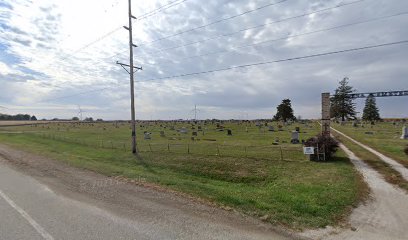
131,73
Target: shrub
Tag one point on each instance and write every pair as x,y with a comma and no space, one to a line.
325,144
406,150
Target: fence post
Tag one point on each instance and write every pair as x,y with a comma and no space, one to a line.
168,147
188,148
150,147
281,153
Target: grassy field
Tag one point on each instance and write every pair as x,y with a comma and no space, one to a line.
232,171
384,137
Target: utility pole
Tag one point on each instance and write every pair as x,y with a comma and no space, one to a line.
131,73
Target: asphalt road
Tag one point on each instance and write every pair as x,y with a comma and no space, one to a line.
31,209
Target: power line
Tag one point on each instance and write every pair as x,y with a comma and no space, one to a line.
289,37
230,68
160,9
102,37
254,27
245,29
216,21
74,95
277,61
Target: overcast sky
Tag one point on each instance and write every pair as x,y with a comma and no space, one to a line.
56,55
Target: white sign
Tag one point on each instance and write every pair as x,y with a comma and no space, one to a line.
308,150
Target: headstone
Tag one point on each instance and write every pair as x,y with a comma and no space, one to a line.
194,133
404,133
229,132
295,137
271,129
183,130
147,136
297,129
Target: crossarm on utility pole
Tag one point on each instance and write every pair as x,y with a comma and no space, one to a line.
131,73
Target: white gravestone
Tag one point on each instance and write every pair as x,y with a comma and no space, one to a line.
404,133
147,136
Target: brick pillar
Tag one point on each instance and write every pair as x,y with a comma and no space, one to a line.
326,114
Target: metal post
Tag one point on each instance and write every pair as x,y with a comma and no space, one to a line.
281,153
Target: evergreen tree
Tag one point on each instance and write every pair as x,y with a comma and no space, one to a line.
342,105
284,111
370,112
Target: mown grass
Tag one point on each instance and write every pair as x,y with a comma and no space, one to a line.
385,138
390,175
297,194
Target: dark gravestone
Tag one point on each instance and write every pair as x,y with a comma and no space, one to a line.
229,132
297,129
194,133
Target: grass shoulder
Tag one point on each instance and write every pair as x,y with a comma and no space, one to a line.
296,194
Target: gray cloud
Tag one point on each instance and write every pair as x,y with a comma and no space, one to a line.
227,94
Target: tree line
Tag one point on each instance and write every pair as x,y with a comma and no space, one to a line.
18,117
